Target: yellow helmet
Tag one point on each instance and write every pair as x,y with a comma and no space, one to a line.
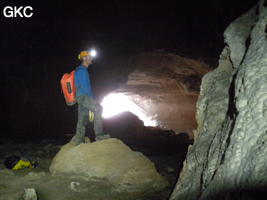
83,54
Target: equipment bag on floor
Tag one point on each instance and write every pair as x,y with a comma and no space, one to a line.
15,163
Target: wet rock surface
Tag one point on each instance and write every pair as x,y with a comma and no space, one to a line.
228,158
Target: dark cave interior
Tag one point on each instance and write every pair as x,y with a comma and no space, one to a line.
37,51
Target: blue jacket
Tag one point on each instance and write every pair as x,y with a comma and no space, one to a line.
82,82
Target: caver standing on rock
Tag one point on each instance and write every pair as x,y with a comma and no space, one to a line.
86,101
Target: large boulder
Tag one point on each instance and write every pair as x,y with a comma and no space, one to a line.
111,160
228,159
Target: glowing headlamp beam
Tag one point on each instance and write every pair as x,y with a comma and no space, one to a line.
93,53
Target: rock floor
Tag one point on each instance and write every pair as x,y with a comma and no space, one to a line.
13,183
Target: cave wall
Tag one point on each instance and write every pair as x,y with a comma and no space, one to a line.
166,86
228,158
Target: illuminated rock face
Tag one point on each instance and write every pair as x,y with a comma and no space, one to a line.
166,87
228,159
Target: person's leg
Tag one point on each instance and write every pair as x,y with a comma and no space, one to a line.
81,124
98,124
90,104
87,102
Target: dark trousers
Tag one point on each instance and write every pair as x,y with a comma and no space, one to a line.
86,104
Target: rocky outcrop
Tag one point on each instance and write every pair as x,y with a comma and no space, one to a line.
110,160
228,158
166,87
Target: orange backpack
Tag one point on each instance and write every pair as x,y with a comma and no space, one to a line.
68,88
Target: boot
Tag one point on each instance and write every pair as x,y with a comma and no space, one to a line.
77,140
101,137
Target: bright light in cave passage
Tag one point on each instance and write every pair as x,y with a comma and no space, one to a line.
115,103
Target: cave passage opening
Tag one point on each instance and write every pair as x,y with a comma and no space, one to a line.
116,103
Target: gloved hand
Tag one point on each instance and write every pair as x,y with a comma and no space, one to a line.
91,116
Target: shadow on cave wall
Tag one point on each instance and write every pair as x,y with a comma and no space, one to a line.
151,140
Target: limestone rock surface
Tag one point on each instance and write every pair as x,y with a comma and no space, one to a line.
111,160
228,159
166,86
29,194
